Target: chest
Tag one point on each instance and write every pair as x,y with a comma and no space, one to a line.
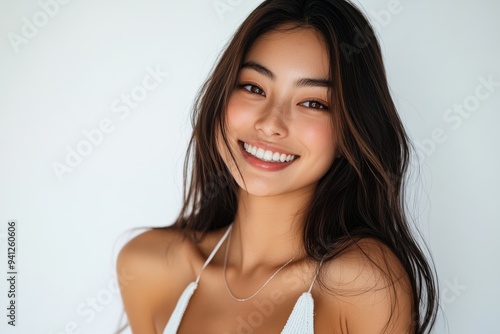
212,311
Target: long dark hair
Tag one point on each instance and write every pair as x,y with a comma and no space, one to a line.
362,193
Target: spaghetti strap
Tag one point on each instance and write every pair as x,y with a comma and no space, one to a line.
178,312
216,248
301,320
314,279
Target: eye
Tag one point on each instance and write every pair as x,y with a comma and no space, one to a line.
315,105
252,88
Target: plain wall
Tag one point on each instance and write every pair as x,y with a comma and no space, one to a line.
68,76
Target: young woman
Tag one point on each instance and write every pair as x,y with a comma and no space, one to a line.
293,217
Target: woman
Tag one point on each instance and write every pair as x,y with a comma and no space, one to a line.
293,217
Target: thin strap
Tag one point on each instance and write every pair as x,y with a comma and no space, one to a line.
216,248
317,272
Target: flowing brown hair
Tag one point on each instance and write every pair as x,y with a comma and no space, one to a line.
362,193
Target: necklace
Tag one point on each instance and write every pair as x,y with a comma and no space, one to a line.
262,287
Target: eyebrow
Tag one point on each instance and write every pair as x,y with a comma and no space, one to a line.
304,82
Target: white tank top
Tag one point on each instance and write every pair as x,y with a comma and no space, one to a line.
300,321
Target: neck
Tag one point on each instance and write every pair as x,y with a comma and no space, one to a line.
267,230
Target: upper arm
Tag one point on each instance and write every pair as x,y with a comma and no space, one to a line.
143,271
373,291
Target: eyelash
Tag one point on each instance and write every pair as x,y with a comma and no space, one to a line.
243,85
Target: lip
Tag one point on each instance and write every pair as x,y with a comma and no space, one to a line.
264,165
267,147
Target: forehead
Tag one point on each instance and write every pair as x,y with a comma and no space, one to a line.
297,50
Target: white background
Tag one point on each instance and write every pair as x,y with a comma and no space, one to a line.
63,79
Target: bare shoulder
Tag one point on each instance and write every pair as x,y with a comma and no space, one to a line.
155,249
154,264
370,286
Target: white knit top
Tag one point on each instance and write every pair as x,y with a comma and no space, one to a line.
300,321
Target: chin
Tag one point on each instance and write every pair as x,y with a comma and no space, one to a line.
259,189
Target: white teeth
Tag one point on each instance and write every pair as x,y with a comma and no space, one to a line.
268,155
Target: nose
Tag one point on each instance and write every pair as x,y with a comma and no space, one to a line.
272,122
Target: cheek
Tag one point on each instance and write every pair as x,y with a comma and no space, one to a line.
237,116
318,136
239,113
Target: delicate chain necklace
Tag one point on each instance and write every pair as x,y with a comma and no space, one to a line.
262,287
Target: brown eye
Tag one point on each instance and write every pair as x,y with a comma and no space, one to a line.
252,89
315,105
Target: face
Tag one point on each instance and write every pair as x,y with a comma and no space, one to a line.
279,116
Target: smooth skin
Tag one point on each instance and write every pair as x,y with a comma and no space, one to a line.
267,228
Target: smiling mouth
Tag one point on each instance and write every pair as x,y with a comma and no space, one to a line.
267,155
